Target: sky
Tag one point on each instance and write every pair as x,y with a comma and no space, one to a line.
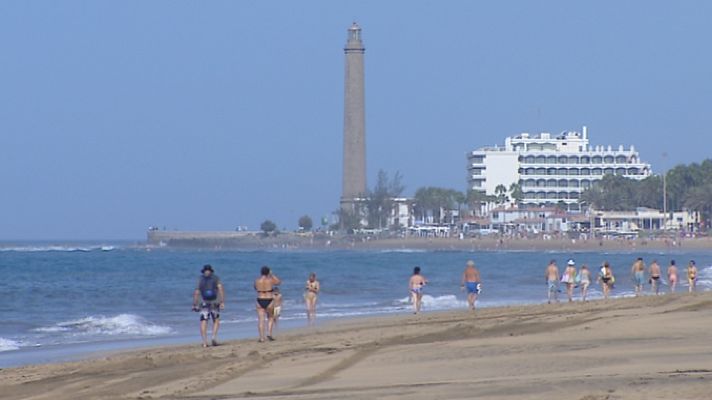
119,115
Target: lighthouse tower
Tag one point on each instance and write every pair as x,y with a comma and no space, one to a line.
354,168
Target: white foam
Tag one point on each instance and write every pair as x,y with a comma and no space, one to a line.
122,324
404,251
445,302
8,345
54,248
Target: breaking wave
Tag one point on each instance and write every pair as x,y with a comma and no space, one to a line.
119,325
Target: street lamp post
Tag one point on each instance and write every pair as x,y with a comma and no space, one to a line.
665,216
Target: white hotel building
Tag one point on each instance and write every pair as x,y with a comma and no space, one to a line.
550,169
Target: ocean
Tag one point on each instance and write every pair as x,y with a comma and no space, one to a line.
66,302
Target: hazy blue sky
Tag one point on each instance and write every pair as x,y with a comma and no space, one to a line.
207,115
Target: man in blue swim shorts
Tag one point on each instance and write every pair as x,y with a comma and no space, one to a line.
552,281
472,283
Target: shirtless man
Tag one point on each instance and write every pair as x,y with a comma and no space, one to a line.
672,275
415,285
637,272
264,286
471,282
552,281
692,275
655,276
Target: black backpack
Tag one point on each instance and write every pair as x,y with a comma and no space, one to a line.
208,287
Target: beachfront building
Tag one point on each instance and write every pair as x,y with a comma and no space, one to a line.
642,219
550,169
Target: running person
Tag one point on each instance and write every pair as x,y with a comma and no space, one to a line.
637,272
311,290
415,286
472,283
692,275
655,273
584,280
209,300
672,275
552,281
569,279
264,286
607,279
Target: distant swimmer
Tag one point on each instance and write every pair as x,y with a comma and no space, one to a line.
672,275
552,281
415,285
692,275
311,291
584,281
607,279
637,272
569,279
472,283
264,286
209,300
655,277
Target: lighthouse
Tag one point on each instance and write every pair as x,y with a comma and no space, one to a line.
354,167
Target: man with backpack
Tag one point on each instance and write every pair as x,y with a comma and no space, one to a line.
209,300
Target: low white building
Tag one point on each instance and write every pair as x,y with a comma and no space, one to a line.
550,169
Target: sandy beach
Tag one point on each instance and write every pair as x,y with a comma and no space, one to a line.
641,348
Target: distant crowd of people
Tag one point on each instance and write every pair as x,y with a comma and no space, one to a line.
582,278
209,294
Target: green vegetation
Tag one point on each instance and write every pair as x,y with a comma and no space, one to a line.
305,223
268,228
688,187
437,200
379,203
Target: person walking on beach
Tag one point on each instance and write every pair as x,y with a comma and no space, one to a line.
471,282
209,300
415,285
569,279
655,273
311,290
264,286
607,279
552,281
584,280
672,275
692,275
637,272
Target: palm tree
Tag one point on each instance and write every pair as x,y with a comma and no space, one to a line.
475,200
501,192
700,199
516,192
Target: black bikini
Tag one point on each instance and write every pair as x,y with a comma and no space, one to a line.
264,303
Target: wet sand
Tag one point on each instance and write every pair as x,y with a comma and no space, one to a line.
643,348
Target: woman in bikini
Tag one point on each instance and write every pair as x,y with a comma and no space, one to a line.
692,275
264,286
569,279
672,275
584,280
606,278
311,290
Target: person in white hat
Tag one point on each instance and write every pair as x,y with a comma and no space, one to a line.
569,279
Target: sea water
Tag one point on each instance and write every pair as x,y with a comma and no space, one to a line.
62,302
